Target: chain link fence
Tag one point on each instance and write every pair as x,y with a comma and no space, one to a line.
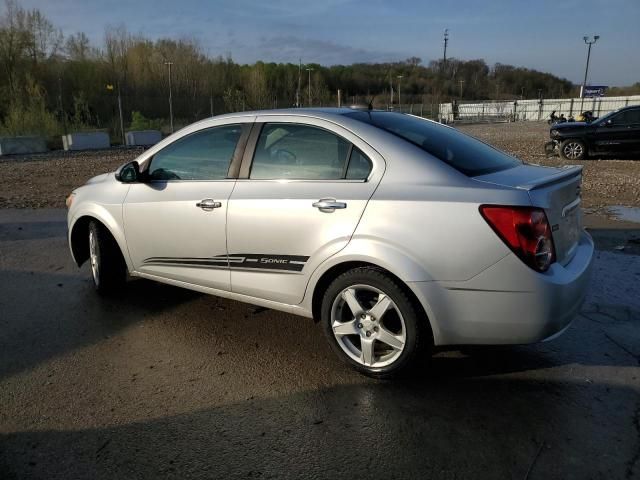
530,110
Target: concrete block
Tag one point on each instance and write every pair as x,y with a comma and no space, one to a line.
21,145
86,141
143,137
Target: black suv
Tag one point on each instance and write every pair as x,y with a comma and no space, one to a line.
616,132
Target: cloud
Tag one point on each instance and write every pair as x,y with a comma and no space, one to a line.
289,48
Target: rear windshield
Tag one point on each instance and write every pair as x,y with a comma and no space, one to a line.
463,152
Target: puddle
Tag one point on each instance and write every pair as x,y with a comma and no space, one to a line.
629,214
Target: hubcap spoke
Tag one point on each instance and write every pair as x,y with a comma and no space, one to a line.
345,328
367,356
349,296
394,341
381,306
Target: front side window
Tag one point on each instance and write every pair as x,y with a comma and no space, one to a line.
203,155
293,151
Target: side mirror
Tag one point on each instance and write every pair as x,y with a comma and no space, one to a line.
129,173
608,123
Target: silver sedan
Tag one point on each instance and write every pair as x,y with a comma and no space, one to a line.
396,233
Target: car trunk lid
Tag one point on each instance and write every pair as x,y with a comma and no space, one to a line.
557,191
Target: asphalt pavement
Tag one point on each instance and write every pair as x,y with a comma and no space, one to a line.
161,382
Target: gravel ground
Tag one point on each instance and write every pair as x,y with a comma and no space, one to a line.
45,180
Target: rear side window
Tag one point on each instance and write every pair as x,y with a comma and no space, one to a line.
359,166
628,117
463,152
203,155
293,151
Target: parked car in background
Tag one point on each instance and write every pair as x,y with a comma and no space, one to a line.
396,233
616,132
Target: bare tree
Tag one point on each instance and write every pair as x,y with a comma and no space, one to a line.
43,39
77,47
12,41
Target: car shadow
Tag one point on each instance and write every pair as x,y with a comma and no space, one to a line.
46,314
470,428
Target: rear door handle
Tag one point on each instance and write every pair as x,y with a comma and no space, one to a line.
208,204
329,204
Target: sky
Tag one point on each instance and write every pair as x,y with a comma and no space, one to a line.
541,34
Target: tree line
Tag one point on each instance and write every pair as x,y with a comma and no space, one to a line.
51,83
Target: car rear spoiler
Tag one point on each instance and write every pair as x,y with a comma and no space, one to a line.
567,172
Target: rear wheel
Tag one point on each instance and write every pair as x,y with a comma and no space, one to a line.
108,269
573,149
372,324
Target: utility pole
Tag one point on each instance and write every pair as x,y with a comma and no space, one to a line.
124,142
339,98
169,64
390,91
309,70
63,116
298,90
399,99
586,69
446,41
522,93
461,84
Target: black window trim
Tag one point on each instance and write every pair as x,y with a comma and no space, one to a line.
234,163
252,143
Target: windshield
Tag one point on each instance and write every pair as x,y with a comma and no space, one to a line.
463,152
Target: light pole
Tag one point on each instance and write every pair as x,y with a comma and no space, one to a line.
589,42
399,100
298,90
309,70
170,96
446,40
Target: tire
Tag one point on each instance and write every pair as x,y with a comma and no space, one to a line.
573,149
384,308
108,269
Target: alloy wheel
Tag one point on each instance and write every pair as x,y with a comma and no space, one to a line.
368,326
573,150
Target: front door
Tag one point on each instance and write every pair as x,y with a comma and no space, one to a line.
175,222
306,190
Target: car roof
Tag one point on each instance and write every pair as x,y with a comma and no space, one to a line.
319,112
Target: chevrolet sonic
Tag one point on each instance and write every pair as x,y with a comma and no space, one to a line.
396,233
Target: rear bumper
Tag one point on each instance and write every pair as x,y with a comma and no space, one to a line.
509,303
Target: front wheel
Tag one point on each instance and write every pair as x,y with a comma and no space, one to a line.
108,269
573,149
372,324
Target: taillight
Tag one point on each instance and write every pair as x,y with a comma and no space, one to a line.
526,231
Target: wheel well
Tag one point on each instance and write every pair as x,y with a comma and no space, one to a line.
80,238
337,270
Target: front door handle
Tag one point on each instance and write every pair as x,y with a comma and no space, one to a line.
208,204
328,204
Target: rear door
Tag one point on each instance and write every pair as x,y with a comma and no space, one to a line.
303,187
620,133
